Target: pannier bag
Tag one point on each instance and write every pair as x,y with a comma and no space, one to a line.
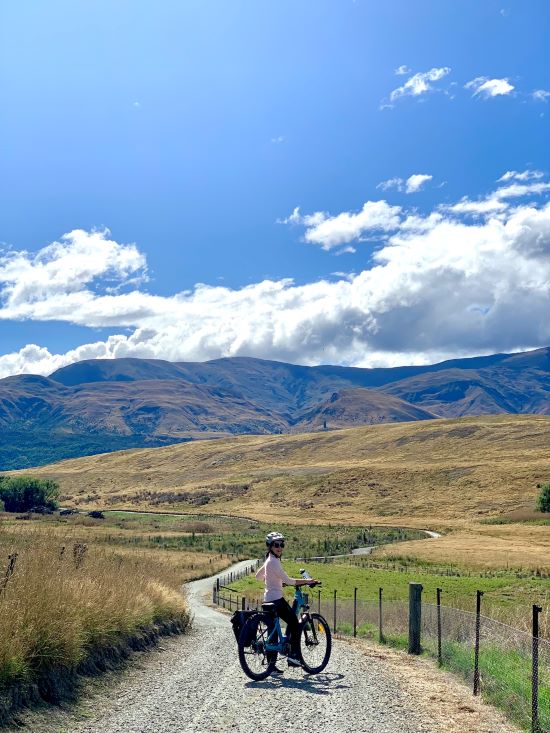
238,620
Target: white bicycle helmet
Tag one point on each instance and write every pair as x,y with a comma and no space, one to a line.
274,537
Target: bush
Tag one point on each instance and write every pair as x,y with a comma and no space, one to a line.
543,503
95,514
25,493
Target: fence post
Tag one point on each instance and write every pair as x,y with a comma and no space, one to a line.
535,722
334,610
12,559
380,624
476,650
243,604
355,611
214,599
439,655
415,617
319,600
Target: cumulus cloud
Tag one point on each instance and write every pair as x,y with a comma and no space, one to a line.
402,70
415,182
486,88
442,284
420,83
333,231
541,95
63,270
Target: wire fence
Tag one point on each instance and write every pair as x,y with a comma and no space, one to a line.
509,667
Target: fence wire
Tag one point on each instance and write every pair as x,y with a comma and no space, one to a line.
508,674
544,686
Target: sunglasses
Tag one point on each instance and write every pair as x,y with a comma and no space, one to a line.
278,544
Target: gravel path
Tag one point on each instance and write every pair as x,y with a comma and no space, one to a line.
195,683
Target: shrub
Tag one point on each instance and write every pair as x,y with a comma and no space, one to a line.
26,493
543,503
95,514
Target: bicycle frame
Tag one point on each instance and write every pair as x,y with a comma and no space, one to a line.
271,645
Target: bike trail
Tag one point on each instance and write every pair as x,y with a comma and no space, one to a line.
194,683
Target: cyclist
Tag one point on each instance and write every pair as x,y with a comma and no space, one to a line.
274,577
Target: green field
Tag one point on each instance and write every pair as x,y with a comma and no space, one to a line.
235,535
505,661
506,596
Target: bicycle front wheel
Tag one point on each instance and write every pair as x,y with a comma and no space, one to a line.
315,643
255,661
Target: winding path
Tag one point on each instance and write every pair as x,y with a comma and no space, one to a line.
194,683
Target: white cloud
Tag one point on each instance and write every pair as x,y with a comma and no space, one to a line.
411,185
62,270
420,83
497,200
526,175
277,140
397,183
484,87
441,285
402,70
333,231
415,182
541,95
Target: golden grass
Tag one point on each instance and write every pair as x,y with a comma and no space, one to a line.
481,546
441,474
55,610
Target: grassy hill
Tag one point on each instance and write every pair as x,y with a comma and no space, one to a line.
423,471
458,476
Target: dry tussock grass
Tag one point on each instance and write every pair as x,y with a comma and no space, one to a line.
485,546
444,468
441,474
55,610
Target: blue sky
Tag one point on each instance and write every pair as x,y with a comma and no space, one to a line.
175,140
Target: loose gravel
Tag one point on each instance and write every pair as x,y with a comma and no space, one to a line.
194,683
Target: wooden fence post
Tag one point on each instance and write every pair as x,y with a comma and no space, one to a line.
415,617
380,618
535,721
476,648
439,654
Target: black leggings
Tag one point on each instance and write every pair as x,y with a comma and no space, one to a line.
284,611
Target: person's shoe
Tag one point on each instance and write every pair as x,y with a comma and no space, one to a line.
293,662
276,670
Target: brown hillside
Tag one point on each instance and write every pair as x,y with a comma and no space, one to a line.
424,473
353,407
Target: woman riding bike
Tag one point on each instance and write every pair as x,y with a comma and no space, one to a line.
274,577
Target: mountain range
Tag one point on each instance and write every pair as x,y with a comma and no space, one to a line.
99,405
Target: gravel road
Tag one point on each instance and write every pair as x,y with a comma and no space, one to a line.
194,683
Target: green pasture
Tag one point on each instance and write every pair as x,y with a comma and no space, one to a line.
507,593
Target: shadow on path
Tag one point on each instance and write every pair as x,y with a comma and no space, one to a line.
319,684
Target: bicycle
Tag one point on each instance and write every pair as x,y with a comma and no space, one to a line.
261,640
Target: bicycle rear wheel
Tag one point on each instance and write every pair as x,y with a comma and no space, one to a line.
315,643
252,654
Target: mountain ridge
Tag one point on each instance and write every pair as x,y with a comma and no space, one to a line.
96,404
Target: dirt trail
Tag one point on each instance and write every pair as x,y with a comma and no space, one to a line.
194,683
